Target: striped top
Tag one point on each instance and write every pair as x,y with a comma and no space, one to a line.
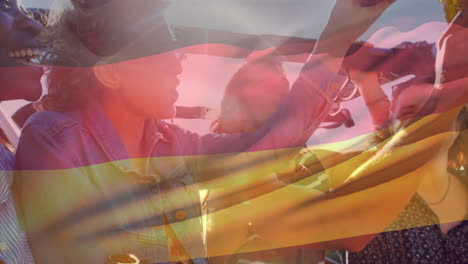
13,245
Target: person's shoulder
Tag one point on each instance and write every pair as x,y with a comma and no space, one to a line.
51,122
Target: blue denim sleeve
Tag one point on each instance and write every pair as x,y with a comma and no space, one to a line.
42,153
43,149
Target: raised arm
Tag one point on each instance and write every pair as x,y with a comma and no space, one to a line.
312,94
374,97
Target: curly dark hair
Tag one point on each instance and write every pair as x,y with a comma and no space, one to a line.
70,78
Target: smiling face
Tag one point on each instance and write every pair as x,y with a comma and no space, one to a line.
18,45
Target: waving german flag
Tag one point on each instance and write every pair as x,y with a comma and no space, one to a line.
106,170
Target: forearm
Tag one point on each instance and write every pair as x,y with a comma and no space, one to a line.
347,22
307,105
332,48
368,85
335,45
374,97
379,113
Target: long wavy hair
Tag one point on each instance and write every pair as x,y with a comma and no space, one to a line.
70,78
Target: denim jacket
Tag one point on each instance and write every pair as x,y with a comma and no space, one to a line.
80,198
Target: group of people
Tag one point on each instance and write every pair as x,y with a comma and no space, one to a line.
99,176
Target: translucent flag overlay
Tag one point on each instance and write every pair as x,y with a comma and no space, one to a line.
234,131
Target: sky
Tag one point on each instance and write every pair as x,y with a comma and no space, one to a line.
283,17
